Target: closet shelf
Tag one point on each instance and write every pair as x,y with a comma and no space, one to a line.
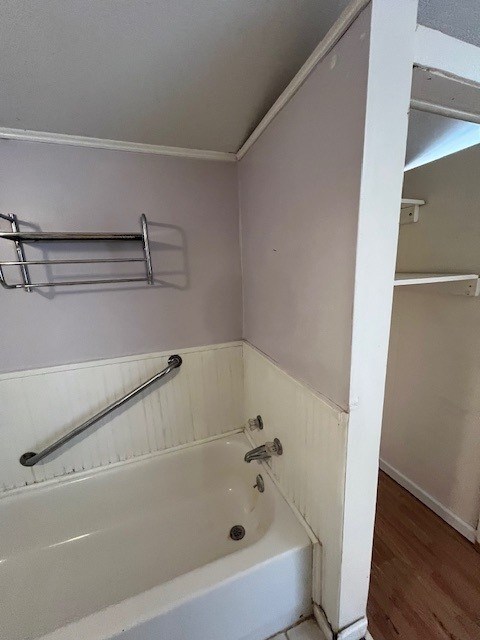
456,283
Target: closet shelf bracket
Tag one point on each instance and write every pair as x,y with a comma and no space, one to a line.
410,210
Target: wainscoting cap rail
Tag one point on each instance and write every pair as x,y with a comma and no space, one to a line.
31,458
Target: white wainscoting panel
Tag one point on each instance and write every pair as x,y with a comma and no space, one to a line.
202,399
311,471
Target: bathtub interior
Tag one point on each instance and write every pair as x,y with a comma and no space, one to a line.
75,547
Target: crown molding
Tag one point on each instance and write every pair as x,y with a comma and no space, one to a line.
115,145
341,25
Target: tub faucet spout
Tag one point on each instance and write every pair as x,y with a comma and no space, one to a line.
265,451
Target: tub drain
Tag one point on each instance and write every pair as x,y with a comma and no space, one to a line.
237,532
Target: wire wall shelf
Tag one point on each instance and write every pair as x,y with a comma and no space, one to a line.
19,238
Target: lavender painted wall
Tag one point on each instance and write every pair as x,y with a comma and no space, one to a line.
299,199
197,256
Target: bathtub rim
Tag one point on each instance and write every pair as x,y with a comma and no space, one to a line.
79,475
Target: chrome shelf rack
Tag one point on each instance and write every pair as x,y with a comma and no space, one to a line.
20,237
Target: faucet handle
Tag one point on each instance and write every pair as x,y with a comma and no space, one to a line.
275,447
255,423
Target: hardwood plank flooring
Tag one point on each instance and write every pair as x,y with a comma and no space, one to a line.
425,582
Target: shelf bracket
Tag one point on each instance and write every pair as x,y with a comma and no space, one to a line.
410,210
12,218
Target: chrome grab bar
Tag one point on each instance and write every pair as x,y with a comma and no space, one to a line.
30,458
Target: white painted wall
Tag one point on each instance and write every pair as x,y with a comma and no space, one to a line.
431,432
203,398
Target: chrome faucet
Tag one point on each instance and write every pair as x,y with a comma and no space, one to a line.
265,451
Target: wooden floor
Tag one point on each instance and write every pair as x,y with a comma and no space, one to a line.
425,581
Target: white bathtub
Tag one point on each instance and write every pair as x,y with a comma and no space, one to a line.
142,551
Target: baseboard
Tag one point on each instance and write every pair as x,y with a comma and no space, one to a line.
355,631
443,512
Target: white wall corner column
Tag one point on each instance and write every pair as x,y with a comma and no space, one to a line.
389,83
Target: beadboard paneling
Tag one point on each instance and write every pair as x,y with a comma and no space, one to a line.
311,470
201,399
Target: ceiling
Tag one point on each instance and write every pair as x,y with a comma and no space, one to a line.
457,18
186,73
198,74
431,137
